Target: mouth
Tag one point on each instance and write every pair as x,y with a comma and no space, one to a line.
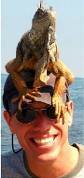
45,142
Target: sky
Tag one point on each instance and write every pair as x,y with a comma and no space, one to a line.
17,18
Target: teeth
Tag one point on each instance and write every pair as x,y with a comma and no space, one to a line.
44,140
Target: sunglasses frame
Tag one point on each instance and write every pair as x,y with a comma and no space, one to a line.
31,114
51,115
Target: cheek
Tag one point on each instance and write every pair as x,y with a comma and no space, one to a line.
20,131
63,130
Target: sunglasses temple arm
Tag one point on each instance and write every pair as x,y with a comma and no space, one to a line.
15,151
67,96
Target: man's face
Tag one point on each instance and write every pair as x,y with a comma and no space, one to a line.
43,139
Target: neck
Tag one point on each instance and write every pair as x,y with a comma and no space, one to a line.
59,167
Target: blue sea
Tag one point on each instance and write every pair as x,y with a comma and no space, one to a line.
76,132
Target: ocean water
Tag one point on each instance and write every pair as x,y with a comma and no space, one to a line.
76,132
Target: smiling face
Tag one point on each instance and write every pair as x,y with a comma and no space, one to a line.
43,139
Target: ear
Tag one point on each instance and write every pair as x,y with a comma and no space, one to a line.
9,120
70,112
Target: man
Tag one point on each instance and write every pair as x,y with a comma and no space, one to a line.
46,152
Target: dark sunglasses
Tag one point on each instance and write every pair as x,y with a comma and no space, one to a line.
29,114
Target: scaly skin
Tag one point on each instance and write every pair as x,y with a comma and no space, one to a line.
38,50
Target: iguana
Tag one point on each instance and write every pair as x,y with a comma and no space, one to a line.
38,50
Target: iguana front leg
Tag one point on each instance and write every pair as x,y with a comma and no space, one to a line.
57,98
63,79
63,70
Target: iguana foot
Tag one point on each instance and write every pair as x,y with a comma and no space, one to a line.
28,97
58,103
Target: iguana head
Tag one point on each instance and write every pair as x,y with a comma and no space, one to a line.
43,18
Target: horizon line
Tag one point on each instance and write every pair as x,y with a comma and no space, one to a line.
8,74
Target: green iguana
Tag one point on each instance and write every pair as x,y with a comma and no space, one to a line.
38,50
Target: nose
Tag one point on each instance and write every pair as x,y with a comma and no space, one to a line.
42,123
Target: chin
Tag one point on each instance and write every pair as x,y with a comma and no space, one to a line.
50,155
46,152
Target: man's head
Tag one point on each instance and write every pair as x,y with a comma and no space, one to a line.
43,138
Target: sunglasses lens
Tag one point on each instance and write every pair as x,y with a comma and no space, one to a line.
26,115
51,112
